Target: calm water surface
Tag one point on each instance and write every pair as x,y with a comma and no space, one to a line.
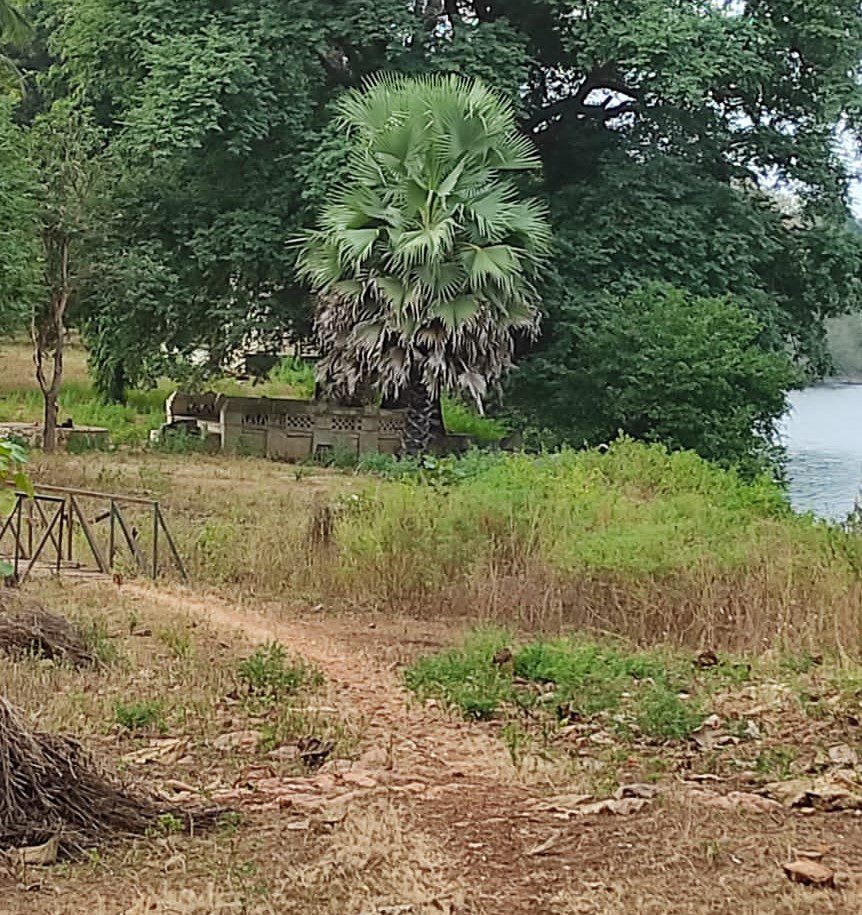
823,436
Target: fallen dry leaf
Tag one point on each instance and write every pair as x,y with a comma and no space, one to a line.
736,801
238,740
824,793
810,873
618,807
843,755
545,846
815,853
167,751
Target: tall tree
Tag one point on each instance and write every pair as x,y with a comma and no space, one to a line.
65,150
423,263
220,117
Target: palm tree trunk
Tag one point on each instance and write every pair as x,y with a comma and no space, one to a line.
424,420
420,411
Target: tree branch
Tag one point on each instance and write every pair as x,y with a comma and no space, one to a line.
603,78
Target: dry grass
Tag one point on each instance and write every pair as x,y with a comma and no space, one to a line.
256,527
375,861
19,373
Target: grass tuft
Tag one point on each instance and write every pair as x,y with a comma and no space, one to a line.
269,673
140,715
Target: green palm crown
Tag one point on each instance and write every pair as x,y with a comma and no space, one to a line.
424,261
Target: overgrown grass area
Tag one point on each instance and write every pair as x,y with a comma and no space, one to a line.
658,547
604,711
567,679
661,547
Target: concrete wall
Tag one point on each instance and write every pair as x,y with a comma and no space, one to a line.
291,430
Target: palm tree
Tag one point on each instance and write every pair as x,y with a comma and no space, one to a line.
423,263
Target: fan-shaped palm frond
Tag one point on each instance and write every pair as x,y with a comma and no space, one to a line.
424,263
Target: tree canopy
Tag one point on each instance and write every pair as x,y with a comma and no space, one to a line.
694,142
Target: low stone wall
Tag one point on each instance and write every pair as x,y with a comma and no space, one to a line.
72,438
290,430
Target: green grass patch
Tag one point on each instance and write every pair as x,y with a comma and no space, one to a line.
129,423
270,673
140,715
569,678
460,419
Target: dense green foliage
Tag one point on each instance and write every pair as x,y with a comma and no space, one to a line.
664,366
20,257
633,509
684,143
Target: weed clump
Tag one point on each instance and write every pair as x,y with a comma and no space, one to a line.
270,673
573,680
140,716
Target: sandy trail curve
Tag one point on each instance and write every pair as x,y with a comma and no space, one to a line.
429,746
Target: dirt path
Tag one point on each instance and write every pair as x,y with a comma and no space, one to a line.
398,735
456,782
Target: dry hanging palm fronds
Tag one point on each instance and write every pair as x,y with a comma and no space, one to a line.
50,787
28,628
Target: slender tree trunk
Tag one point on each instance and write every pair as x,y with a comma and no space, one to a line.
50,387
49,425
48,335
117,384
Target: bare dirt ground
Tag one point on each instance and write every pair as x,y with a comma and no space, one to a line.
426,814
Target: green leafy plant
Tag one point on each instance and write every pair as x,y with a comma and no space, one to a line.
663,365
270,673
140,715
663,714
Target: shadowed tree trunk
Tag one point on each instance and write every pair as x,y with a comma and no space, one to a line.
116,392
48,331
424,420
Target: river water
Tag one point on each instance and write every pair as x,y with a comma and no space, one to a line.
823,437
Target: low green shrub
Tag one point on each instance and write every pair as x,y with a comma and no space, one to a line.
569,677
466,677
460,419
663,713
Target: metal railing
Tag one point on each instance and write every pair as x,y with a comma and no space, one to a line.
43,527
